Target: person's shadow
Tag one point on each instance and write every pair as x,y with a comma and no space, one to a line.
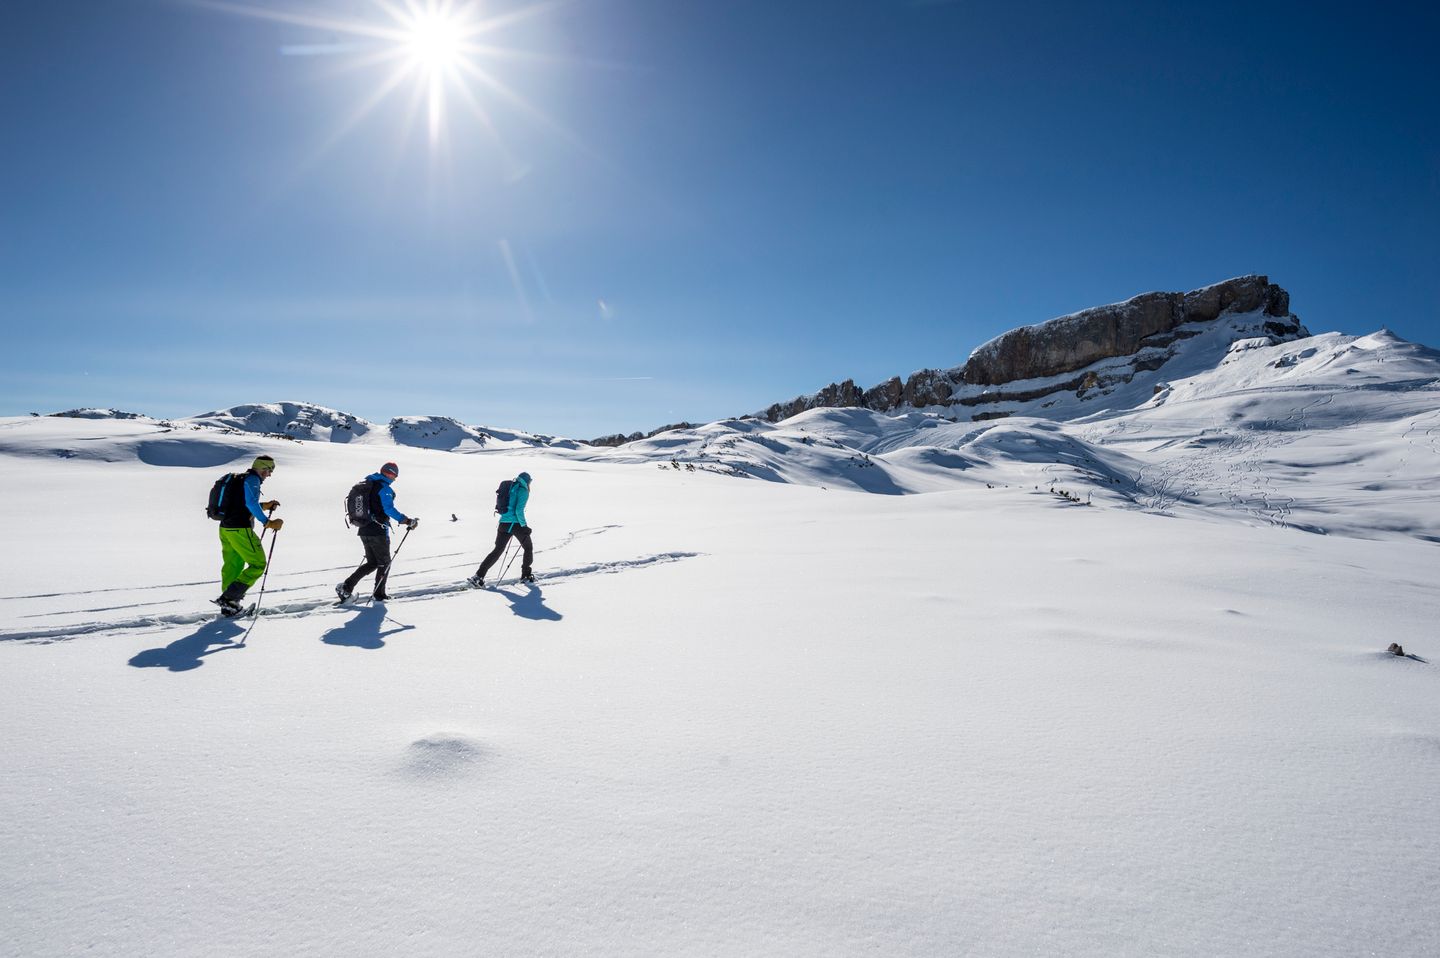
530,604
185,654
364,631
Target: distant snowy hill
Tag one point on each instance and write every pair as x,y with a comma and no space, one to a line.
293,419
309,422
439,432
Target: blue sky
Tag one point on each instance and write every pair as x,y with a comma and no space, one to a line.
679,209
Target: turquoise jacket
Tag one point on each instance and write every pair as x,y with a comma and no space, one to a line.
519,495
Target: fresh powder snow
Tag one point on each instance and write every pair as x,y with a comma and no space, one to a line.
1107,680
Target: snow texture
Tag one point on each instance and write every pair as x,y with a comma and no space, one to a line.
901,699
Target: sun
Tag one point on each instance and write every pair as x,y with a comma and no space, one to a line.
446,52
435,41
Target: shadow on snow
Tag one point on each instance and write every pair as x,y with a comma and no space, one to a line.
365,630
185,654
530,604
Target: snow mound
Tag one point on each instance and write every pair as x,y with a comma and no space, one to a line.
441,756
189,452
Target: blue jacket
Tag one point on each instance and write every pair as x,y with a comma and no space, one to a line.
387,502
519,495
252,497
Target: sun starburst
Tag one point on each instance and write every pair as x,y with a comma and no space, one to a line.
430,46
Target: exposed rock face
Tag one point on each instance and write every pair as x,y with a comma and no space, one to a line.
1075,341
620,439
1041,363
833,395
1140,328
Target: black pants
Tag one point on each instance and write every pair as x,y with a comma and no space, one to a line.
377,560
503,532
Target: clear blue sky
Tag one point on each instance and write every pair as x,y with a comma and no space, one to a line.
680,209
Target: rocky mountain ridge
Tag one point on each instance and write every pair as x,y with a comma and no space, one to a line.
1076,353
1082,356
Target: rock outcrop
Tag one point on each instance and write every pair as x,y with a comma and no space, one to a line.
1072,342
1033,362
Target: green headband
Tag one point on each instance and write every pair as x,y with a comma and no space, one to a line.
263,462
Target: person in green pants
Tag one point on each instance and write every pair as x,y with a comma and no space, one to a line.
242,555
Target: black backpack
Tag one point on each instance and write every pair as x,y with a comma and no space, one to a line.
357,503
212,506
502,496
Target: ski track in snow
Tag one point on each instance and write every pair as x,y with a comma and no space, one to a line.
65,633
1427,441
1244,483
567,540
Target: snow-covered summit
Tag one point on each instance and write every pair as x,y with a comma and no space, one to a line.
442,432
297,420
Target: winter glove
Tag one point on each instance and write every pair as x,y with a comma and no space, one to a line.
270,506
275,524
412,523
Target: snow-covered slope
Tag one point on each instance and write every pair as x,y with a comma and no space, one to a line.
734,717
1335,434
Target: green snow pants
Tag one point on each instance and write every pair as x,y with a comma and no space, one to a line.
242,557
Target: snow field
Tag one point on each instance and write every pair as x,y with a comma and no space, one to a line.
736,717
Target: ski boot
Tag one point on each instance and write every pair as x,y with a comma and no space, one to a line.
229,608
229,600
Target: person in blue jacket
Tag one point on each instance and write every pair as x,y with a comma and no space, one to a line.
375,534
512,523
242,556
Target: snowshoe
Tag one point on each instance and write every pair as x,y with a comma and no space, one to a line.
475,582
231,609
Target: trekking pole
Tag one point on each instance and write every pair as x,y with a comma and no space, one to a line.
384,580
263,579
501,577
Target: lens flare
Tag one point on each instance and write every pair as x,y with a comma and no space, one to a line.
432,47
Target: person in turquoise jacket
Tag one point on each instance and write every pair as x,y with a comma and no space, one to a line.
512,524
